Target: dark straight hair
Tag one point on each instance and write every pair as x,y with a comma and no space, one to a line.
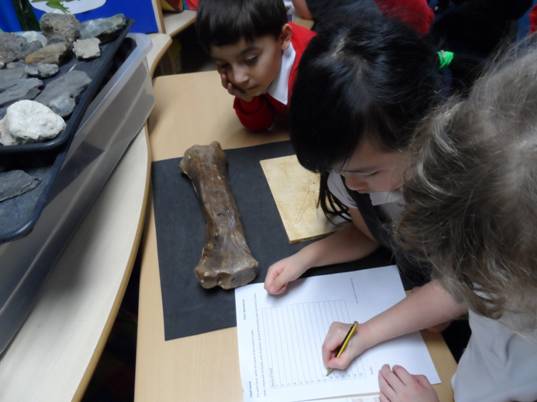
372,77
224,22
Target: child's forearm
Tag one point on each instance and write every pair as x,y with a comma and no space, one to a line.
347,244
302,9
425,307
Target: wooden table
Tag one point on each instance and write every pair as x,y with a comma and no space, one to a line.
193,108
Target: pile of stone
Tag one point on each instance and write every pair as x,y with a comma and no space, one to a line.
28,57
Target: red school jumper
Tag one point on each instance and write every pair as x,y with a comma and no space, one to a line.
259,113
415,13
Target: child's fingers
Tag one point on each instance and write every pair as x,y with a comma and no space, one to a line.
276,289
232,90
273,284
224,81
385,387
279,282
332,341
403,374
383,398
341,362
423,381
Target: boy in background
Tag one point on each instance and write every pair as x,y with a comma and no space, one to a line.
256,52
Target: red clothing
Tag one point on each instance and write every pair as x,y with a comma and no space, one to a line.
415,13
191,4
258,114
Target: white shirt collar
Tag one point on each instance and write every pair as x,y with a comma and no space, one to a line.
387,197
279,89
391,202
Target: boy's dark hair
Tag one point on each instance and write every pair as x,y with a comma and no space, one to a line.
371,78
471,193
224,22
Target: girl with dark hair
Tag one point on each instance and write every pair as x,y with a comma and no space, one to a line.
361,90
471,196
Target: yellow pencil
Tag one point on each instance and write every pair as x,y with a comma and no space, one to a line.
352,330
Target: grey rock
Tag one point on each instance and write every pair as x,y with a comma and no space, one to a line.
60,27
14,47
27,88
16,182
103,28
9,77
41,70
54,53
15,64
33,36
60,95
2,65
63,105
87,48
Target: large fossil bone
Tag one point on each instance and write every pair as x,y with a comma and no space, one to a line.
226,260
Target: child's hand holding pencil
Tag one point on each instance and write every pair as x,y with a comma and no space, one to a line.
343,343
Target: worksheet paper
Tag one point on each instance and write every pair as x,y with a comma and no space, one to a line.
280,338
366,398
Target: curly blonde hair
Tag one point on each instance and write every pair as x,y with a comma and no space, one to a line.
471,192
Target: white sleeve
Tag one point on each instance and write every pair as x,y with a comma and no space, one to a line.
338,189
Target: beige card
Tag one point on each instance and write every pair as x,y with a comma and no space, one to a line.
295,191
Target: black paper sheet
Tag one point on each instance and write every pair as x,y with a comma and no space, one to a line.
188,308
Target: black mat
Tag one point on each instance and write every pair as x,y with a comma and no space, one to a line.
188,308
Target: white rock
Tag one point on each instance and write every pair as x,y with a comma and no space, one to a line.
87,48
31,121
5,138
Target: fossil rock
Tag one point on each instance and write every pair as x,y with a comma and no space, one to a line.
226,260
27,88
60,27
14,47
30,121
60,95
33,36
16,182
54,53
42,70
10,77
15,64
103,28
87,48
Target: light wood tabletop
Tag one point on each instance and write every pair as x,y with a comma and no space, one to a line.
194,109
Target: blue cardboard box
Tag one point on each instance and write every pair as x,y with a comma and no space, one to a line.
141,11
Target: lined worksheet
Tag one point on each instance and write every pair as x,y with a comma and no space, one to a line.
280,338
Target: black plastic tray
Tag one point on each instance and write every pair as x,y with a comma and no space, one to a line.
19,215
97,70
